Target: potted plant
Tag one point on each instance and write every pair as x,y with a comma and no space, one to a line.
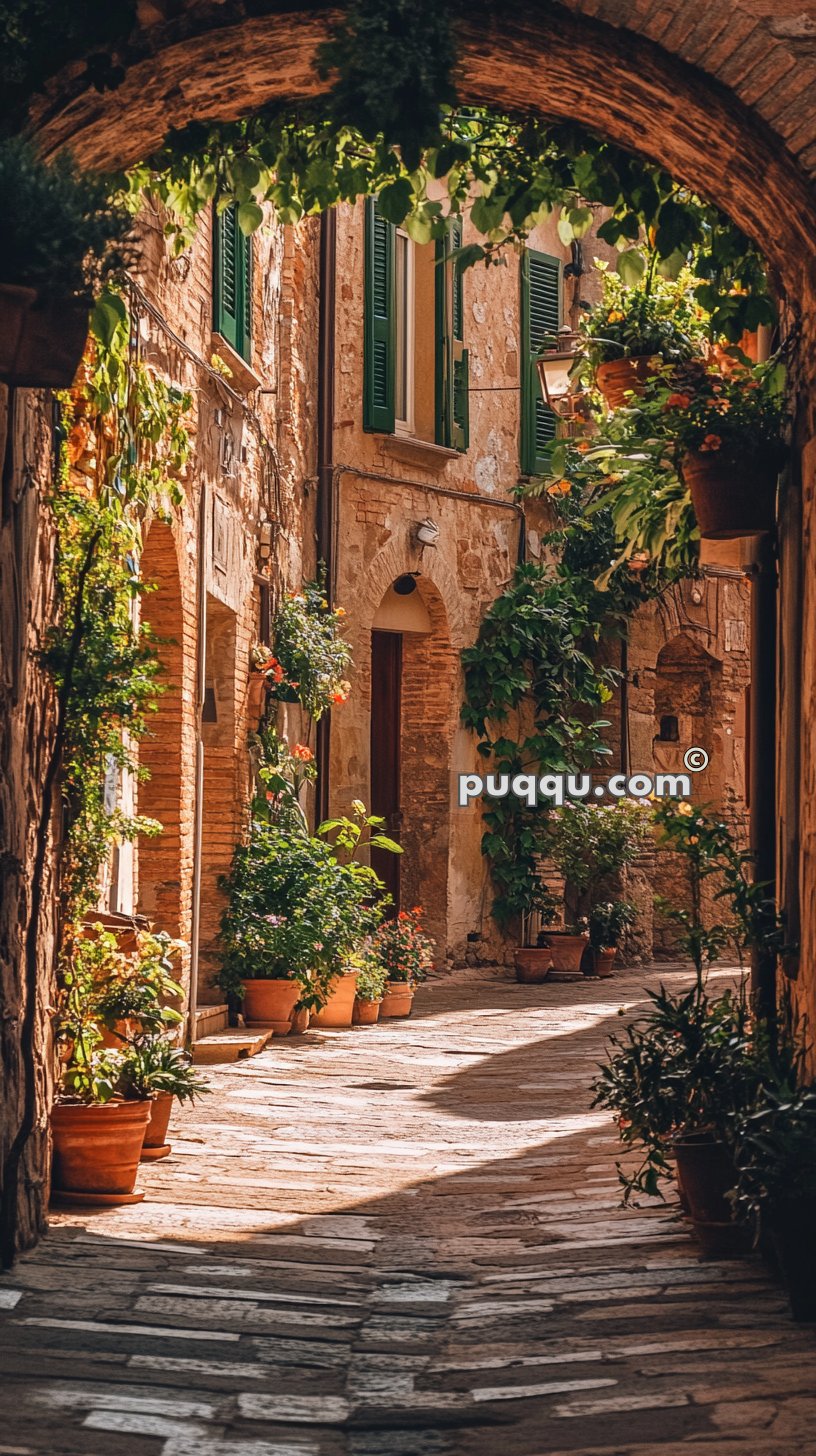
63,240
132,991
153,1067
309,660
589,843
636,331
727,434
406,953
370,989
99,1120
774,1145
607,921
349,837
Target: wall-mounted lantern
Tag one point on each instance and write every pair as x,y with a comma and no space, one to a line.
427,532
555,367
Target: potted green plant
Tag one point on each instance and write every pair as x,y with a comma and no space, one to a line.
589,843
636,331
153,1067
608,919
63,240
309,660
406,952
370,986
726,428
99,1120
133,992
774,1145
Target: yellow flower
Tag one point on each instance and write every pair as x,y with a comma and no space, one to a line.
694,839
684,807
615,317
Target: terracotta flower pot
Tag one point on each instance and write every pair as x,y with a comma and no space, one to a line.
567,951
618,377
97,1149
602,962
398,999
155,1139
339,1008
366,1013
271,1003
533,964
122,1030
731,497
706,1172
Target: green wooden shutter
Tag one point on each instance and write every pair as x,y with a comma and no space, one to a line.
452,360
540,318
379,338
232,283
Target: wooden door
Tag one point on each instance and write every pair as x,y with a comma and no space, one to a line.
386,716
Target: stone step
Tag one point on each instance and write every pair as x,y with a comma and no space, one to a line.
211,1019
229,1046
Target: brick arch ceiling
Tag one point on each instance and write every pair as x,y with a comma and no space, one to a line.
721,92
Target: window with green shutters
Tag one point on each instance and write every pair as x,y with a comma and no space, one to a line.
541,293
452,362
389,291
379,342
232,283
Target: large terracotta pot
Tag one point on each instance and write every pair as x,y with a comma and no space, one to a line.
366,1013
567,952
619,377
339,1008
271,1003
602,962
731,497
398,999
155,1139
706,1172
533,964
97,1148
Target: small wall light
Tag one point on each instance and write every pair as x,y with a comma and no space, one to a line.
554,367
427,532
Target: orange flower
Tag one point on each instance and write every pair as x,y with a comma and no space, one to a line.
615,317
582,446
677,401
339,611
711,442
301,752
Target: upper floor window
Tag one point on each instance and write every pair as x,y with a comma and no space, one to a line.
541,317
415,362
232,282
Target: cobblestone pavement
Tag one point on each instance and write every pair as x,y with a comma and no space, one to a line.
402,1239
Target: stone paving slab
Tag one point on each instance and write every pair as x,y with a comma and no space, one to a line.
403,1239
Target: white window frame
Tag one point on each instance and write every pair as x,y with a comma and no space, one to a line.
405,331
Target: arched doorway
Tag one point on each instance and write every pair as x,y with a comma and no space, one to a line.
412,675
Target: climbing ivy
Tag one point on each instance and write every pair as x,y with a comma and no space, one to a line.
101,657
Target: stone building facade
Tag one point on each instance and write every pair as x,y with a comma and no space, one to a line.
425,534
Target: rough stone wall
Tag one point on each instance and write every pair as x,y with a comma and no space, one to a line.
26,746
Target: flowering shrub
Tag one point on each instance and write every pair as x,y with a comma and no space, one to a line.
105,986
293,912
734,412
309,659
659,317
404,949
281,772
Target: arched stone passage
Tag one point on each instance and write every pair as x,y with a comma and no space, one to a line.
723,100
163,868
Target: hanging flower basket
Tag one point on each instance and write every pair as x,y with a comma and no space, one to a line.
732,495
619,378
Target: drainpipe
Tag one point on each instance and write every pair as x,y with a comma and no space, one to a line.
762,777
325,463
198,803
624,703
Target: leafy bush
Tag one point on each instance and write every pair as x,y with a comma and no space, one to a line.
371,973
774,1147
61,233
152,1065
293,913
310,659
589,842
607,922
403,948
